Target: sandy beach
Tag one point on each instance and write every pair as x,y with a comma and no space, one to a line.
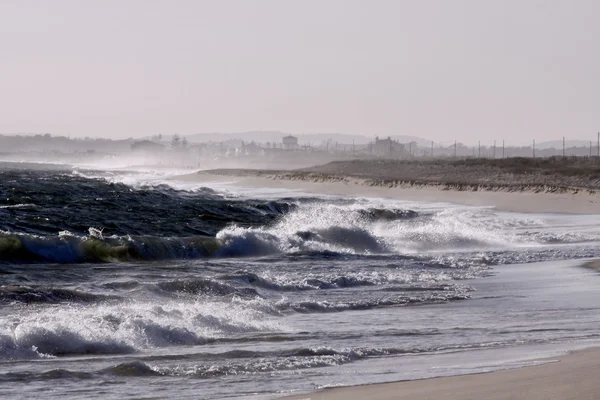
572,376
517,199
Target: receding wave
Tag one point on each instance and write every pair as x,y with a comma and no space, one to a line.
52,374
306,283
201,286
129,369
294,359
324,306
48,343
242,362
26,294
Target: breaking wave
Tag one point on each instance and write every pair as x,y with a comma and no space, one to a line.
130,280
127,328
68,248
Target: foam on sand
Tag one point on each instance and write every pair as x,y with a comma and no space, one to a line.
573,376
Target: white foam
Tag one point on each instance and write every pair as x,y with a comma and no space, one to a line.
338,227
123,328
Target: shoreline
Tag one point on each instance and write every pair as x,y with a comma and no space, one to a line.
593,265
315,177
557,373
515,198
570,376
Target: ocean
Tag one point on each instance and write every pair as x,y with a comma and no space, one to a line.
132,284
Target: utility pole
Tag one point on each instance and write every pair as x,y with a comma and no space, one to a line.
494,149
590,149
479,149
455,149
502,148
533,148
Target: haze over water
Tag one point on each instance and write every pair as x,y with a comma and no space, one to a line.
464,70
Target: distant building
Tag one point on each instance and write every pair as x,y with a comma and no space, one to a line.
147,146
290,142
387,147
249,149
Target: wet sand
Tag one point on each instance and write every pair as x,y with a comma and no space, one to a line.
573,376
594,265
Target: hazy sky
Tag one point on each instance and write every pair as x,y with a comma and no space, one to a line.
440,69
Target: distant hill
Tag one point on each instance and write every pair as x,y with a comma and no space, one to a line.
257,136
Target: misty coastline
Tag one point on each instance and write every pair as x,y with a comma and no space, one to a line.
404,158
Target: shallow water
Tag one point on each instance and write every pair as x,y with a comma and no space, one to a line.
117,284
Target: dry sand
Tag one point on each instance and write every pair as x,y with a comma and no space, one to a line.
523,199
573,376
559,184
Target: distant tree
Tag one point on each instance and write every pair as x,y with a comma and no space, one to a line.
176,141
184,143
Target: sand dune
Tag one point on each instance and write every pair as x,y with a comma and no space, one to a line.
519,195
